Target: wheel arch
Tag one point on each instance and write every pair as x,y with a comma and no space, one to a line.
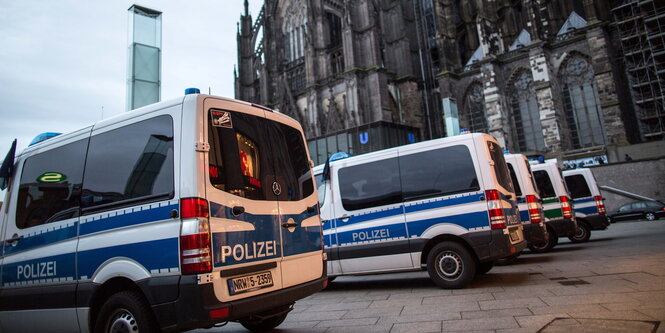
444,238
105,291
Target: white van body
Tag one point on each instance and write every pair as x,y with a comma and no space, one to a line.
528,199
590,210
386,211
186,212
557,204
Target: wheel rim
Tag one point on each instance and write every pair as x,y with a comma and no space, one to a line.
449,265
580,233
650,216
123,321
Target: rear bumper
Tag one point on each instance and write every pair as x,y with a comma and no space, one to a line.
597,222
498,248
535,233
192,308
563,227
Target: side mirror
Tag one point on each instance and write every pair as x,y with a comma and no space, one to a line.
6,169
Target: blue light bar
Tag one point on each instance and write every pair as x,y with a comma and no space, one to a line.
190,91
43,137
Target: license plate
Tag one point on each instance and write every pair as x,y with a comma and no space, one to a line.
249,282
514,235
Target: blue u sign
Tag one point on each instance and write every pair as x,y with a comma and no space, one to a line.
412,138
364,137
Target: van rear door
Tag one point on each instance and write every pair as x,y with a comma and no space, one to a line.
298,204
244,222
506,190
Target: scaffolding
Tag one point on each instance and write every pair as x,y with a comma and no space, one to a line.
641,29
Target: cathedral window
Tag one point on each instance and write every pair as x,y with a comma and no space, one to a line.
582,104
527,129
334,43
473,116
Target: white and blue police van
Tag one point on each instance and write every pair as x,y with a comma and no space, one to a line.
528,199
557,204
445,205
589,205
178,215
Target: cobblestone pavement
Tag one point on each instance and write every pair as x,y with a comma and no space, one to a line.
613,283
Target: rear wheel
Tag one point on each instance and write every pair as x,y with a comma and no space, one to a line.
546,245
450,265
581,235
125,312
650,216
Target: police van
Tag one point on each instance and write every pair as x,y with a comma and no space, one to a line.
589,205
528,199
446,205
557,204
174,216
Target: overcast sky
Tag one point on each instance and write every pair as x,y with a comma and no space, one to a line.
62,61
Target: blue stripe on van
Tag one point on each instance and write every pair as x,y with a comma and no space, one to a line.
524,216
45,270
587,210
468,221
153,255
133,216
583,200
46,238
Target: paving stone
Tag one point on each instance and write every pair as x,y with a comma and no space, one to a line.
586,299
398,302
347,322
374,312
511,303
420,327
377,328
522,294
496,313
614,315
656,314
411,318
440,308
456,299
567,309
315,315
538,321
479,324
338,306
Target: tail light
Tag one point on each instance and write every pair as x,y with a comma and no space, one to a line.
600,204
195,245
565,207
495,209
534,209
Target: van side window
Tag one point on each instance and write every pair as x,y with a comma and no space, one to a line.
50,186
516,183
130,164
370,185
577,186
544,184
437,172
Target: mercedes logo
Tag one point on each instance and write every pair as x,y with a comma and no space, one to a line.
276,188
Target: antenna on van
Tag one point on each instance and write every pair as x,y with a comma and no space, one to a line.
102,112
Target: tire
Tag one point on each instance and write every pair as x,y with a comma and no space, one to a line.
546,246
265,324
126,311
450,265
650,216
581,235
484,267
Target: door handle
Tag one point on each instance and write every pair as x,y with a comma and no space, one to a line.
344,218
15,238
237,210
289,224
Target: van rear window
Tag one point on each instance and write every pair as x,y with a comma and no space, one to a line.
249,153
577,186
500,168
544,183
516,183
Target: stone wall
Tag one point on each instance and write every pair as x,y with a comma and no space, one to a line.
643,177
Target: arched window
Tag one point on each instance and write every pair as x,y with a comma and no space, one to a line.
527,130
294,29
334,43
473,115
581,104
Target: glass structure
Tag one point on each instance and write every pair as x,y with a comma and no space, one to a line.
144,57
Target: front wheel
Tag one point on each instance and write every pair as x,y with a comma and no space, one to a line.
650,216
264,324
125,312
581,235
450,265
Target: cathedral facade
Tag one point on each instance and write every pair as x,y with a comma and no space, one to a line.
545,77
